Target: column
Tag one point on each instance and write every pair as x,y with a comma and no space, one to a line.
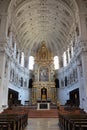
15,50
83,27
70,53
10,37
84,69
83,44
80,80
60,61
3,28
1,79
18,55
82,50
26,61
6,77
4,80
3,71
67,59
71,50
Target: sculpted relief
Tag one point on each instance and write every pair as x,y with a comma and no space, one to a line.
43,54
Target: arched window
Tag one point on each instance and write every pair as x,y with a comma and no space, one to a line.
22,59
65,59
56,62
31,62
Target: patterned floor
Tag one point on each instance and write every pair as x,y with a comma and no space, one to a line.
42,124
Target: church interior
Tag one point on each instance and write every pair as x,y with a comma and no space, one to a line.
43,64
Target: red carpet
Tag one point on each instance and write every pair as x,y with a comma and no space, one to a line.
53,113
34,113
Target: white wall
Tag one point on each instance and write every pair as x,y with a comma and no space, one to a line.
23,93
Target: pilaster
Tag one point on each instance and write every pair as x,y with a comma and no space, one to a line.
26,61
60,62
2,74
3,28
81,56
84,68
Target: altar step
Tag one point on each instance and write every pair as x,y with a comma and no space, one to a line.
52,113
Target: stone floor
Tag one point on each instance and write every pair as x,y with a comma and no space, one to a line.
42,124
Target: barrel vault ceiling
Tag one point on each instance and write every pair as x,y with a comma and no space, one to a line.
34,21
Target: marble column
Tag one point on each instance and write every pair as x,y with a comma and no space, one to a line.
4,80
1,79
3,64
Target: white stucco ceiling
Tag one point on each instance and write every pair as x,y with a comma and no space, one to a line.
35,21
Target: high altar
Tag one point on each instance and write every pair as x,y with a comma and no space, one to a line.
44,76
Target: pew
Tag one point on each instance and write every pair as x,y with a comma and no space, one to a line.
73,121
13,121
5,126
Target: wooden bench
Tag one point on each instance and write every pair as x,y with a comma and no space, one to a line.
13,121
73,121
5,126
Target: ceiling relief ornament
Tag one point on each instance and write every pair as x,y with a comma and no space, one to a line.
43,56
48,20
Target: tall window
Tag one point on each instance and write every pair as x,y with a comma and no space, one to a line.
31,62
64,59
22,59
56,62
